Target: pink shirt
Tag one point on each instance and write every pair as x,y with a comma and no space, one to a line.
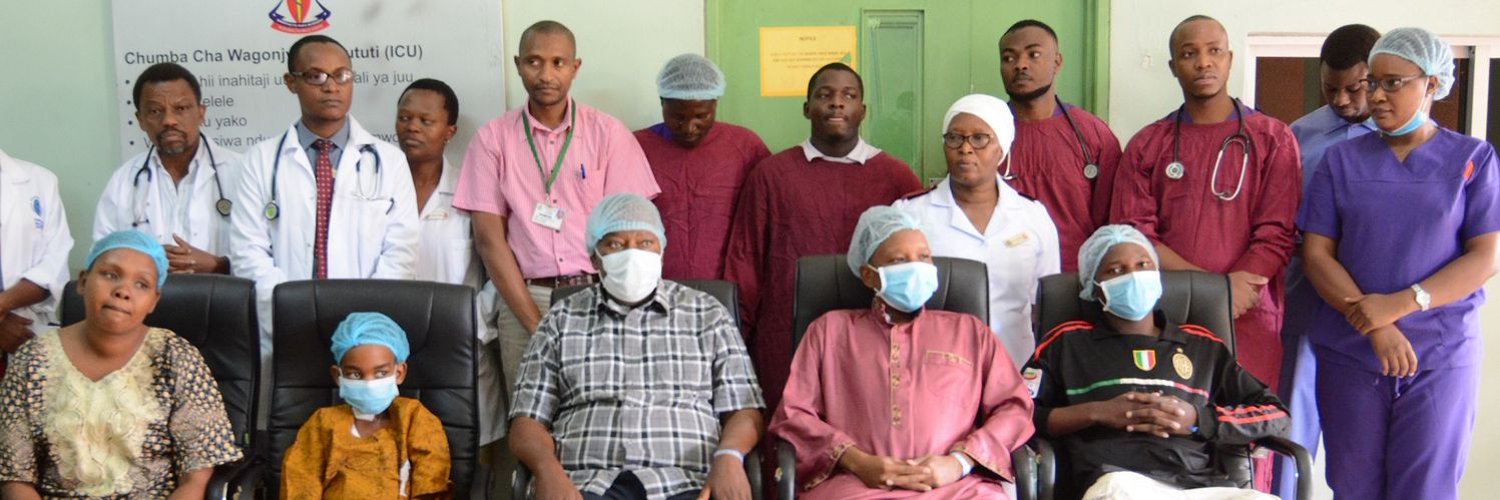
938,384
501,176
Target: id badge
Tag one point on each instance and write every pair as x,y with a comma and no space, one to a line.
548,216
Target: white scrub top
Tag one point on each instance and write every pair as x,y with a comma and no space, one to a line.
162,208
34,232
1019,246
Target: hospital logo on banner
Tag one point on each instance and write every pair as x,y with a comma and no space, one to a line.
292,16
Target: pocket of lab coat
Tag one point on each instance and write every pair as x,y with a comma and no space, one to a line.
458,258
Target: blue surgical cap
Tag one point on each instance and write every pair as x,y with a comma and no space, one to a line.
624,212
134,240
1096,246
875,226
363,328
1423,49
690,77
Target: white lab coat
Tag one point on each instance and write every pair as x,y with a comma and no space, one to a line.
124,203
1019,246
446,254
374,236
34,232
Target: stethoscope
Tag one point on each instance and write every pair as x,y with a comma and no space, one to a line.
1090,169
222,205
1175,170
273,209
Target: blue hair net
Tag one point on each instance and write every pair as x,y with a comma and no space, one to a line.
690,77
1423,49
134,240
1096,246
624,212
875,226
362,328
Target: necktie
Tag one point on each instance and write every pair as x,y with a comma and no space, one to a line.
324,174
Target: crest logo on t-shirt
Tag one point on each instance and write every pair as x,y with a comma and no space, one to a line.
1182,364
1145,359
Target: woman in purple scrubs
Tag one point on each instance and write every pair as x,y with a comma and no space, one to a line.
1400,232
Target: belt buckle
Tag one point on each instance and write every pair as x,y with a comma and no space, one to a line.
573,279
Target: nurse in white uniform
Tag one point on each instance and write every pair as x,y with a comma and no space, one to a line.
426,119
34,256
973,214
370,227
175,190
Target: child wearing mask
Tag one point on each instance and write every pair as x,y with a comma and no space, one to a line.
376,444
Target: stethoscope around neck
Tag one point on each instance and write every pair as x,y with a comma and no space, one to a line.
222,205
1090,169
1175,170
273,209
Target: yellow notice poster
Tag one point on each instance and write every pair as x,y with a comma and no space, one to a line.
790,54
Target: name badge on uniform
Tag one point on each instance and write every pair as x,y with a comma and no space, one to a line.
437,215
1017,240
1033,378
548,216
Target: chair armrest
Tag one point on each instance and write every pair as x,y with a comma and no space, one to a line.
1046,467
1023,460
752,472
520,481
247,479
220,484
1287,447
786,470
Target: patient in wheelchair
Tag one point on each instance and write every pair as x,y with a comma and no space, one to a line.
1136,403
376,444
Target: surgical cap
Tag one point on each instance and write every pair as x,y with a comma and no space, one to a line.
134,240
1423,49
690,77
992,110
365,328
624,212
1096,246
875,226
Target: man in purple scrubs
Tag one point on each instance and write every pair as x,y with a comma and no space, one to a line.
1343,71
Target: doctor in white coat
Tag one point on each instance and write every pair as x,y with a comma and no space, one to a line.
34,256
176,190
426,120
371,216
973,214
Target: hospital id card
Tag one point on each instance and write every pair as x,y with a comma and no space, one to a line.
548,216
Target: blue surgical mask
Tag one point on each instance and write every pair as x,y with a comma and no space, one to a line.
1416,121
1132,296
907,286
368,397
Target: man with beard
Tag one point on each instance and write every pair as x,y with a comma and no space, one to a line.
1215,186
1342,70
175,189
1063,156
805,201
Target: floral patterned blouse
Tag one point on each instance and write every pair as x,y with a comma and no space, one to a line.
129,434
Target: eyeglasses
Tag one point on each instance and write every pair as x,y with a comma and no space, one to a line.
955,141
340,77
1390,83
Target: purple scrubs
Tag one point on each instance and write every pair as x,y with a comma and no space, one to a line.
1315,133
1397,223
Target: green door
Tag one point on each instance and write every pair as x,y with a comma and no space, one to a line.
916,58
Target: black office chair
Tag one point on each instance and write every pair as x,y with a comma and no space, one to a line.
728,295
215,313
1193,297
440,324
824,283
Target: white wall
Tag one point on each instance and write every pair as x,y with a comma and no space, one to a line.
1142,90
623,45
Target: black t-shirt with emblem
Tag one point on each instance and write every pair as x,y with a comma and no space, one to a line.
1083,361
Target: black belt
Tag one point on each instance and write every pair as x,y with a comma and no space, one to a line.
562,281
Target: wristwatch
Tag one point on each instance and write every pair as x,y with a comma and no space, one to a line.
1424,299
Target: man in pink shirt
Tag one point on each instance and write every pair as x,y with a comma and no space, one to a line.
531,177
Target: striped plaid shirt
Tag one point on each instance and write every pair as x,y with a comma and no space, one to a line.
636,389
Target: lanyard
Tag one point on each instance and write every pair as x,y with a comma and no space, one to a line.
557,166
